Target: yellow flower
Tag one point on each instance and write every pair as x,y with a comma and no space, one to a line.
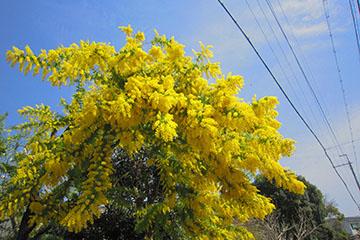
140,36
127,30
165,127
205,50
156,52
175,50
209,143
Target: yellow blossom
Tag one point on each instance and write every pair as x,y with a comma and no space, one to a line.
127,30
205,142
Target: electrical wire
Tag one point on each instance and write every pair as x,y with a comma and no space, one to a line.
343,144
327,16
290,67
356,31
300,51
299,48
273,52
289,100
358,5
325,118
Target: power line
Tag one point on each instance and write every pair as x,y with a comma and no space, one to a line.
301,51
325,119
327,16
289,100
303,73
356,31
289,64
339,148
352,170
342,144
336,145
273,52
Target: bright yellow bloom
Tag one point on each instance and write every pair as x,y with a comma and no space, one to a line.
127,30
156,52
174,50
140,36
165,127
209,143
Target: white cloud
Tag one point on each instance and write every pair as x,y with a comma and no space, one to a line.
315,45
306,17
305,10
311,30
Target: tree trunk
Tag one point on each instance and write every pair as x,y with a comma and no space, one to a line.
24,228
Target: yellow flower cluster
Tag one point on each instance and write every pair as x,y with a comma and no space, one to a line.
165,127
211,142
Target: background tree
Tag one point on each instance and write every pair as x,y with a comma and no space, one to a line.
332,228
11,152
300,216
203,142
7,226
269,228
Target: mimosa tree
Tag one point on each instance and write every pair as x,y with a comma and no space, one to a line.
205,143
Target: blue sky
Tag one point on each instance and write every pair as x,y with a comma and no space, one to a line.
48,24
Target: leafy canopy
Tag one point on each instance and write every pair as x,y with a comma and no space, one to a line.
309,213
206,143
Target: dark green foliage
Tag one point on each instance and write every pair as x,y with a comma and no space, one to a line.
327,232
289,204
332,228
113,224
136,185
11,142
2,137
292,208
